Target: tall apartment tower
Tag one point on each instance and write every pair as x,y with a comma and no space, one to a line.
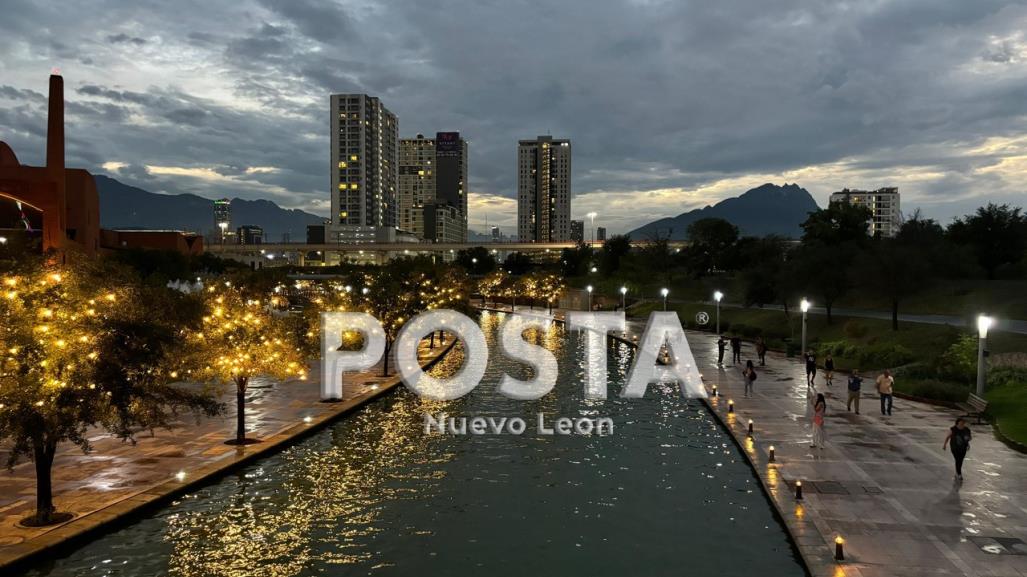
222,213
885,213
544,190
432,199
364,169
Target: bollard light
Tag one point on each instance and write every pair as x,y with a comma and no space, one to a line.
798,490
770,458
730,406
839,548
750,427
180,476
308,419
715,391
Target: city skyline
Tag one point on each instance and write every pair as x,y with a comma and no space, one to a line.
936,110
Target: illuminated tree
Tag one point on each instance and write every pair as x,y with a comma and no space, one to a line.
241,339
549,287
82,347
391,295
492,285
443,288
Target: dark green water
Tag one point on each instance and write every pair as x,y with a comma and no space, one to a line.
666,494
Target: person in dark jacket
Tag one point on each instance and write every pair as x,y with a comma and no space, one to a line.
811,367
958,440
721,345
855,388
829,370
736,349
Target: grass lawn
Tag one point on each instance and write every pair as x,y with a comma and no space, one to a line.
1007,405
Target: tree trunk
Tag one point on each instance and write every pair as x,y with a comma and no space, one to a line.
442,338
240,410
43,453
385,364
431,342
895,314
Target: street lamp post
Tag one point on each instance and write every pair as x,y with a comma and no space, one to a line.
664,292
623,298
593,216
804,305
983,324
717,295
589,289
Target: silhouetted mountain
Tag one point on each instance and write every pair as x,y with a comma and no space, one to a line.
767,209
124,206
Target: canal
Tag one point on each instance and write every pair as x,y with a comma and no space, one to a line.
667,493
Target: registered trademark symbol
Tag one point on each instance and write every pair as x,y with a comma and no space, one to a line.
702,318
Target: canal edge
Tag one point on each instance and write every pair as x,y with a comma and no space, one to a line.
84,528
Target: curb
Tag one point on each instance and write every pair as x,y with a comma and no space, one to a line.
74,533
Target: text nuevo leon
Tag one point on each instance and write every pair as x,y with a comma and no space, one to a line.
446,425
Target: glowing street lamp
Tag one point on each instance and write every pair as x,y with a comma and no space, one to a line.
589,289
3,240
224,227
984,323
623,298
593,215
804,305
717,296
664,292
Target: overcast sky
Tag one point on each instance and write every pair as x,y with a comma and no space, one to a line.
670,105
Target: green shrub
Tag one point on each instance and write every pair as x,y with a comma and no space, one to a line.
855,329
884,356
933,389
1007,376
739,328
959,362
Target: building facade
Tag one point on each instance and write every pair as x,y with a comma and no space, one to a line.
364,168
432,199
601,234
577,231
544,190
249,234
885,211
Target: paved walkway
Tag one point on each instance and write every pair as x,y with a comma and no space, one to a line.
883,483
116,478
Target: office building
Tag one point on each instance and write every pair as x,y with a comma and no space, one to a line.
496,235
577,231
885,214
601,234
364,164
222,214
249,234
432,203
544,190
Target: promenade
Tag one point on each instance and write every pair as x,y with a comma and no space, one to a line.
116,479
883,484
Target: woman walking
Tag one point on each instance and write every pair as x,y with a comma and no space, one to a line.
761,351
960,436
829,369
749,374
819,410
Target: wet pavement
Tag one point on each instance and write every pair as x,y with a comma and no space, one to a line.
883,483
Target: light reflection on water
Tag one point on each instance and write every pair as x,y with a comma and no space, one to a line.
666,494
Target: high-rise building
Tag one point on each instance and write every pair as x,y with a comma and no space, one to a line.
577,231
250,234
364,168
496,235
432,203
885,214
222,214
601,234
544,190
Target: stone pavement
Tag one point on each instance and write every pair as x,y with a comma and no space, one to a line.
117,478
884,484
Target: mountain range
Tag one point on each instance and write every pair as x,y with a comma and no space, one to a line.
764,210
123,206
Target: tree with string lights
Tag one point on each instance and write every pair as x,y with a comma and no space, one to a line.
82,348
240,339
390,294
493,285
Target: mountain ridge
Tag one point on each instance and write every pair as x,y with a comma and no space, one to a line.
761,211
125,206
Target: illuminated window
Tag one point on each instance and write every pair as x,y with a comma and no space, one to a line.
353,157
342,186
353,186
342,164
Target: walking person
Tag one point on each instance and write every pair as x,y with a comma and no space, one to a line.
960,436
811,367
736,349
855,386
885,385
819,410
829,369
749,374
761,351
721,345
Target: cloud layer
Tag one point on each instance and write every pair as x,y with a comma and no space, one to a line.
670,105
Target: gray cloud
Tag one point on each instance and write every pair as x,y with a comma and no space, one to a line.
677,103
